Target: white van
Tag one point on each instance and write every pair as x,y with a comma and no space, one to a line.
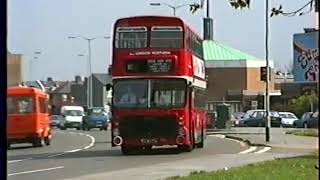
72,117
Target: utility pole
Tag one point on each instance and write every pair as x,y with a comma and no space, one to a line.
208,24
267,98
89,83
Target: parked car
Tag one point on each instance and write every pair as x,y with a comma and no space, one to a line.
96,117
257,119
247,115
313,121
287,119
236,117
211,119
302,122
55,120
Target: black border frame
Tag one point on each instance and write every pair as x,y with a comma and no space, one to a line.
3,90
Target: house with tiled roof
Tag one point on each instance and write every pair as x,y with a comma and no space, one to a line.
234,77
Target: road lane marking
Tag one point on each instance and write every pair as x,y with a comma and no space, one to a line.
75,150
252,148
92,139
18,160
37,170
265,149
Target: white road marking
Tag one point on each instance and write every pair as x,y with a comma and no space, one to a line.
75,150
34,171
265,149
18,160
253,148
92,139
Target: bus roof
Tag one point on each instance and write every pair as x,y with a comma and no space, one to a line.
165,19
25,90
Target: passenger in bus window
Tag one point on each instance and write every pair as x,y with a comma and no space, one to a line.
128,97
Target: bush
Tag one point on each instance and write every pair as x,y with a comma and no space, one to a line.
303,103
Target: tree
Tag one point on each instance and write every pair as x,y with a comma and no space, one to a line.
240,4
304,103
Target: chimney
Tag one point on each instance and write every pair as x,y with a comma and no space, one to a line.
78,79
109,69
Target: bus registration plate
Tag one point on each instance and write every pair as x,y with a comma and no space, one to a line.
149,141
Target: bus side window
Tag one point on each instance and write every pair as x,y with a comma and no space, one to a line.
42,105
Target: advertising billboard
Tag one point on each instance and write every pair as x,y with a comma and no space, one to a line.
306,57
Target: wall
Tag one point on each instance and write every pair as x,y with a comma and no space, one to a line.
222,79
14,69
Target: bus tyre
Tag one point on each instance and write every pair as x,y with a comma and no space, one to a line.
125,150
38,142
47,140
201,143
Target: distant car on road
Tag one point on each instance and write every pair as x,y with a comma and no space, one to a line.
72,117
287,119
55,120
96,117
257,119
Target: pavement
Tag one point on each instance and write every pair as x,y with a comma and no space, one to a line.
278,137
252,136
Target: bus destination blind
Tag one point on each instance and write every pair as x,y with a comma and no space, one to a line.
150,66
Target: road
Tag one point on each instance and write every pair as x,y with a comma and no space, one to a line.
78,153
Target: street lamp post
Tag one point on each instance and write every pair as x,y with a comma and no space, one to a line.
174,8
34,57
89,62
267,98
86,74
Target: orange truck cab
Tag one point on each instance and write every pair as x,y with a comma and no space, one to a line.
28,116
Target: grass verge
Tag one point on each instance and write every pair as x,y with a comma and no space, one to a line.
302,168
305,132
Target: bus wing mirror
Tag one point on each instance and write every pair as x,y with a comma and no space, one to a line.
108,87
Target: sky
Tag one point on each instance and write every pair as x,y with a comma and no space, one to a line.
44,25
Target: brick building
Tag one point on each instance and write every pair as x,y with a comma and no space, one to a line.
14,69
234,77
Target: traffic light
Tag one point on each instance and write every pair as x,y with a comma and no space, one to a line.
263,73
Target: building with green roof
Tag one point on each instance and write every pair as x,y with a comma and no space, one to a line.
234,76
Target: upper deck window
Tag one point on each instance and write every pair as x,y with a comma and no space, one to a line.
166,37
131,37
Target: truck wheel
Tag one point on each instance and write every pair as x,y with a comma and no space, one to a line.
47,140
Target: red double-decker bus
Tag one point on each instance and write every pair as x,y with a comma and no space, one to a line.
159,84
